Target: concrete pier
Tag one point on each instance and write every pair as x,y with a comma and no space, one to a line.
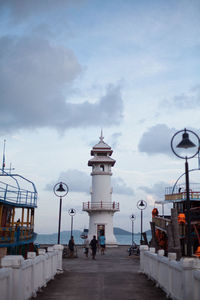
113,276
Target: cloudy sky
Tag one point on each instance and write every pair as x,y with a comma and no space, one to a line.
72,67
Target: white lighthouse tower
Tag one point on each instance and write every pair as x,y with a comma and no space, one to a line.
101,208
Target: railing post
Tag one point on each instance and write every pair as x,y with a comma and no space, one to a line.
19,196
35,198
26,196
30,197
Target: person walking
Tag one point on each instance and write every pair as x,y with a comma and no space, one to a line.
71,246
102,242
86,246
93,245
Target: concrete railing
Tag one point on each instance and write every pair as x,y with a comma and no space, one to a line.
179,279
21,279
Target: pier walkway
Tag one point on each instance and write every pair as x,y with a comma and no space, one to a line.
113,276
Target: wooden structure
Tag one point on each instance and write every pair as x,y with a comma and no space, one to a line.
170,231
17,205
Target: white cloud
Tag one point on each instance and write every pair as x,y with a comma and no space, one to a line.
20,11
115,139
156,140
36,81
184,101
79,181
120,187
157,191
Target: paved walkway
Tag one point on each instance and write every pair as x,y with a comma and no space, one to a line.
113,276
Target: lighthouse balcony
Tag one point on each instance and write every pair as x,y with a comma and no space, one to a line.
100,206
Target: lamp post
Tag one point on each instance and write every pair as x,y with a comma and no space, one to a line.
60,190
186,144
72,213
132,218
141,204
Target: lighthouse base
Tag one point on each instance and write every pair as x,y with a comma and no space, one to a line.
102,223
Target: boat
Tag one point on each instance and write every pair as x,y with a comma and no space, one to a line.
161,224
18,200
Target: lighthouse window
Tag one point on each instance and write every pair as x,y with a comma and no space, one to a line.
102,167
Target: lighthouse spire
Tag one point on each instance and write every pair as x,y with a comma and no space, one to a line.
101,137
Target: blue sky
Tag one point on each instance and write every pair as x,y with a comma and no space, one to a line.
70,68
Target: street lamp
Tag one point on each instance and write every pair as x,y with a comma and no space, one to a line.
141,204
186,144
72,213
132,218
60,190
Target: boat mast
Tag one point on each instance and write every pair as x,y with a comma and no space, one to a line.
3,162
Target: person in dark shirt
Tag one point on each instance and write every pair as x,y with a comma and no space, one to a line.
71,246
93,245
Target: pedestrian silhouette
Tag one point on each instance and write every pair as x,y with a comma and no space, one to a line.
93,245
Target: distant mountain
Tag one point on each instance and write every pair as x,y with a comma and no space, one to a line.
120,231
62,233
148,232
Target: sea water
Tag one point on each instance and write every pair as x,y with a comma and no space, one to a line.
64,239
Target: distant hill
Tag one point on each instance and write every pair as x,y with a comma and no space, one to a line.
120,231
148,232
62,233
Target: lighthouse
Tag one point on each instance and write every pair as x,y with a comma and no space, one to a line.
101,208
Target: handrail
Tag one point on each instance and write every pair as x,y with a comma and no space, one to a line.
4,173
15,234
33,185
196,169
17,175
194,187
195,196
15,194
100,205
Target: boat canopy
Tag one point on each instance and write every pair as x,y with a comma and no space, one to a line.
17,190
